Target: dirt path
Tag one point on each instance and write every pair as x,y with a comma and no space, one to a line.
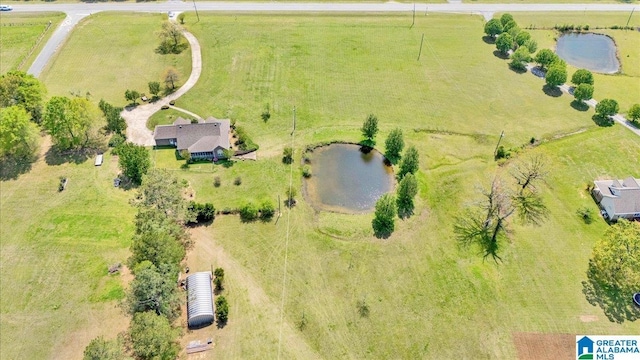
206,247
137,117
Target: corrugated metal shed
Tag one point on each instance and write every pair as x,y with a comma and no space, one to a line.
199,299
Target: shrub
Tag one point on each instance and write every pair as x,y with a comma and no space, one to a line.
244,142
287,155
267,210
116,140
306,171
586,214
222,309
237,181
248,212
217,181
201,213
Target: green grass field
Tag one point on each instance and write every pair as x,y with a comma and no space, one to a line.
20,33
110,53
55,250
623,87
426,295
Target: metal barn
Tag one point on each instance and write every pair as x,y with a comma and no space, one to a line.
199,299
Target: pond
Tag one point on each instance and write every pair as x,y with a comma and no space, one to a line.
344,179
589,51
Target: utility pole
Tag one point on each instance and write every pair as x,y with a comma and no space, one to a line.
294,120
413,21
421,41
632,10
196,8
498,144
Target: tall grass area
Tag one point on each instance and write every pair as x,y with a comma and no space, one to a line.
55,250
109,53
20,32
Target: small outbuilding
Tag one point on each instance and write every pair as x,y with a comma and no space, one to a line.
199,300
98,160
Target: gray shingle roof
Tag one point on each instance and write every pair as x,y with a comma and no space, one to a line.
201,137
627,197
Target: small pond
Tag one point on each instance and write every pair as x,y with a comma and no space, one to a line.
594,52
347,180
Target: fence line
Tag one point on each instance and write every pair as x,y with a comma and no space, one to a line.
40,37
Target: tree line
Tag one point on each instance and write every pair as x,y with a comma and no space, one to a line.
509,37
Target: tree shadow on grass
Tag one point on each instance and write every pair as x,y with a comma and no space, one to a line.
55,156
500,55
552,91
12,167
489,40
617,307
579,105
603,121
518,70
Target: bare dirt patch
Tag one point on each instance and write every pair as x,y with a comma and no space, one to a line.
588,318
532,346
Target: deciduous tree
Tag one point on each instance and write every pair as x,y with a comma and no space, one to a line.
171,78
384,221
72,123
410,162
102,349
583,92
545,57
522,38
556,75
582,76
153,338
24,90
134,161
616,258
159,246
222,310
520,58
154,88
171,39
219,279
131,95
493,27
505,18
394,145
486,224
154,289
634,112
161,191
115,122
407,191
607,107
532,45
370,129
19,136
504,43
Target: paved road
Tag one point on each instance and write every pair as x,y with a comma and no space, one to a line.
55,41
75,12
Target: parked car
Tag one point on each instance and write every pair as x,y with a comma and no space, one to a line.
5,8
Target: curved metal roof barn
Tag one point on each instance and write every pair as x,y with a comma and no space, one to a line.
199,299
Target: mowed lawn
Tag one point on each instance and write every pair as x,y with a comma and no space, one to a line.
426,295
55,249
623,87
20,33
109,53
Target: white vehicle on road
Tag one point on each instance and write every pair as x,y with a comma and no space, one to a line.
5,8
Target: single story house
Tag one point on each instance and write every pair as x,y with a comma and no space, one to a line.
618,198
206,139
199,299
